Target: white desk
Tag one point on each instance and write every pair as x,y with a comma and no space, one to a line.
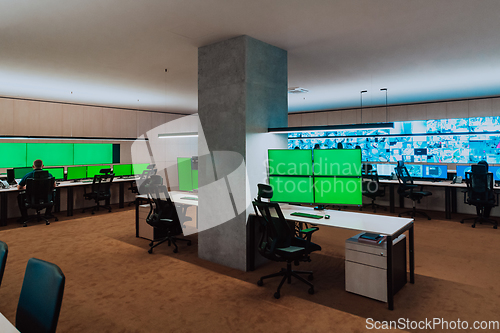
390,226
6,326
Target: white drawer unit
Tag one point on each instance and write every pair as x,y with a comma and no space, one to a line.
366,267
145,230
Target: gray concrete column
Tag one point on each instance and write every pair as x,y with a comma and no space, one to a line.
242,91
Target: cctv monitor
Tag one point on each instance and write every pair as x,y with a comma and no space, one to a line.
292,189
93,170
76,173
122,170
462,169
337,190
337,162
290,162
496,172
57,173
21,172
435,171
385,170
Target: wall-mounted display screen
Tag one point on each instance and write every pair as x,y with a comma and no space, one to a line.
13,155
76,172
93,153
337,162
290,162
435,171
57,173
52,154
292,189
121,170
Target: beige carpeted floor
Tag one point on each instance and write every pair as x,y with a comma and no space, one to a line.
114,285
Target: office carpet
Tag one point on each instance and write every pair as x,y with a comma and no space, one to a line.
114,285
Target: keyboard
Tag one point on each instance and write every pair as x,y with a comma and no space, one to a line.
190,198
312,216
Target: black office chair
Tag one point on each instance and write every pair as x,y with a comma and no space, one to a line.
101,190
371,187
41,297
278,241
409,190
163,214
40,194
4,251
480,193
150,171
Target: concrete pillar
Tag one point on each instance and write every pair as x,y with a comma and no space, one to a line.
242,91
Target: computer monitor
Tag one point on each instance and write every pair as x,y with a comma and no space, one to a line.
93,170
415,170
121,170
76,172
292,189
290,162
385,170
137,169
435,171
337,162
462,169
496,172
57,173
337,190
21,172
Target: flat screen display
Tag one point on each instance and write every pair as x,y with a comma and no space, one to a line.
435,171
294,162
21,172
337,190
415,170
462,169
122,170
57,173
13,155
337,162
52,154
76,172
185,173
137,169
93,170
496,172
292,189
385,170
93,153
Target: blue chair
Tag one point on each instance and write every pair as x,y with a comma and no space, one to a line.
41,297
4,250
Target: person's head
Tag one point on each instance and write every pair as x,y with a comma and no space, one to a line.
296,147
316,146
483,162
38,165
340,146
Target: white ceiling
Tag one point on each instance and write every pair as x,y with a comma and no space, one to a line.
115,52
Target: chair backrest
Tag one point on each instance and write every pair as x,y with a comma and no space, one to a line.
41,297
101,185
370,182
479,184
403,175
39,192
40,174
161,207
4,251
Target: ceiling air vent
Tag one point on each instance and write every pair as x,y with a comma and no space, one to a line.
297,90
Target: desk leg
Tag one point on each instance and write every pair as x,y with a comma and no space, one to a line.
57,201
447,202
391,198
390,293
412,254
251,243
3,208
453,200
137,217
121,198
69,205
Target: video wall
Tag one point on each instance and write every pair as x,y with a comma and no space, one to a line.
462,140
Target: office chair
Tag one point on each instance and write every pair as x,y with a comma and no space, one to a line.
480,193
163,214
408,190
371,187
278,241
101,190
150,171
4,251
41,297
40,195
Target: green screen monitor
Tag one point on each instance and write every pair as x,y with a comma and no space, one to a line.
13,155
292,189
286,162
93,153
52,154
93,170
21,172
121,170
137,169
337,191
57,173
185,173
337,162
76,172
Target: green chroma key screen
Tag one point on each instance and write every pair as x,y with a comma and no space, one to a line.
292,189
137,169
337,190
93,153
185,173
57,173
52,154
13,155
337,162
286,162
93,170
77,172
122,170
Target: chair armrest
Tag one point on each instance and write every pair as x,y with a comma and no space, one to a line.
166,220
308,233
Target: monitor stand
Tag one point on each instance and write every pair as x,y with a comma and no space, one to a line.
319,207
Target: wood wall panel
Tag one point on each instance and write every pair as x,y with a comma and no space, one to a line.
111,123
436,111
321,118
334,118
308,119
294,120
457,109
128,122
144,123
480,108
416,112
7,116
379,115
397,113
26,118
92,121
51,119
351,116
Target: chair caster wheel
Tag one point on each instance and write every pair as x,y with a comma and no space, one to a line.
277,295
462,222
429,218
311,291
150,244
175,251
47,223
189,243
399,215
56,219
494,227
25,225
473,226
260,283
150,251
310,277
93,213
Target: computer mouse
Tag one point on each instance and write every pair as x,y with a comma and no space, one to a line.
327,216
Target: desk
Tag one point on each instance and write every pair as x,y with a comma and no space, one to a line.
6,326
390,226
450,194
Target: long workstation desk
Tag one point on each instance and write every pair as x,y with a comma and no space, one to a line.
69,186
391,227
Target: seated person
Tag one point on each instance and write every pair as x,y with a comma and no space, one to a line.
37,165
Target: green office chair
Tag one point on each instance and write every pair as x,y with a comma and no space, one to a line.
278,241
41,297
